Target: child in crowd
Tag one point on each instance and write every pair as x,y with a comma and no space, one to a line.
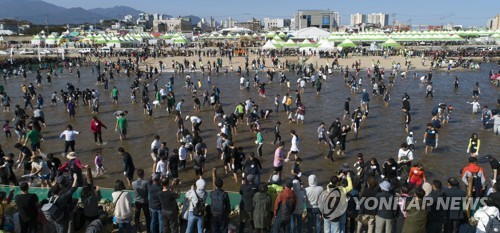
410,140
100,169
6,129
321,133
296,172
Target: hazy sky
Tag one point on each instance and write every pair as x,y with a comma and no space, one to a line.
468,13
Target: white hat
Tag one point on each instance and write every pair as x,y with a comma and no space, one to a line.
187,117
71,155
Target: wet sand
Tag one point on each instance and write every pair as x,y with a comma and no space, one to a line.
380,135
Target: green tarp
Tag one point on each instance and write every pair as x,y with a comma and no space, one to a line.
106,194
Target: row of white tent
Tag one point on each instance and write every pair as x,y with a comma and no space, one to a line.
324,45
109,39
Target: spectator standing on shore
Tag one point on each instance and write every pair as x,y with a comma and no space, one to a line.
63,199
154,188
220,206
170,211
196,194
27,206
141,200
263,205
313,193
123,207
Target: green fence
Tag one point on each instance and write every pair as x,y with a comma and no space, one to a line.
106,194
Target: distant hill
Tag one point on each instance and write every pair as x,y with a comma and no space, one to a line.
36,11
117,12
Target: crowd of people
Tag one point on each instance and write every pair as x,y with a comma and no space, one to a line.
280,203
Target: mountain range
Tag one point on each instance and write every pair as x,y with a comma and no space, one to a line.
39,12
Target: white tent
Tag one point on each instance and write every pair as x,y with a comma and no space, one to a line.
269,45
51,40
326,46
37,40
290,44
311,33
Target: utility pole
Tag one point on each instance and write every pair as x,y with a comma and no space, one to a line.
17,21
47,23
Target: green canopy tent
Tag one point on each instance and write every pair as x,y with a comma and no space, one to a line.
290,44
336,38
390,43
166,36
179,40
270,35
279,40
347,44
271,46
99,39
37,40
51,40
306,44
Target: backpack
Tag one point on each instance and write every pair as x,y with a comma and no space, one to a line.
493,224
477,186
7,221
51,211
286,210
72,166
217,207
95,227
199,207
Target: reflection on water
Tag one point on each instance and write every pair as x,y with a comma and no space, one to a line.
380,135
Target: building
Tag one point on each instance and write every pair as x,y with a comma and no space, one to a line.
206,26
8,27
324,19
252,24
378,19
357,19
145,21
128,18
273,24
494,24
338,19
180,24
158,16
229,23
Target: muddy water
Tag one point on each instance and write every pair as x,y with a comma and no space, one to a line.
380,135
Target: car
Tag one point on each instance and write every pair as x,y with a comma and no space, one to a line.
85,51
60,51
104,50
26,52
45,52
4,52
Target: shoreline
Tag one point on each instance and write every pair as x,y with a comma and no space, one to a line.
385,63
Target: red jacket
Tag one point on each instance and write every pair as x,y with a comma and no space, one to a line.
284,196
471,170
96,125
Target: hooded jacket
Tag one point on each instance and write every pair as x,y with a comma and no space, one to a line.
313,192
200,191
301,197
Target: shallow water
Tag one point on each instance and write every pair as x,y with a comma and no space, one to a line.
380,135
